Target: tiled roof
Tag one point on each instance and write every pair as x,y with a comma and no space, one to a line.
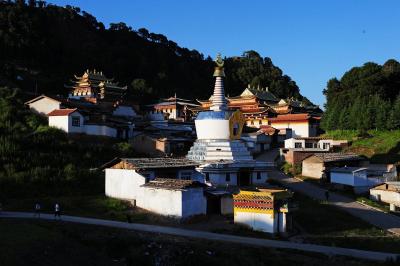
61,112
173,184
337,157
150,163
263,95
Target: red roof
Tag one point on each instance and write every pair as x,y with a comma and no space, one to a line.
290,117
61,112
267,129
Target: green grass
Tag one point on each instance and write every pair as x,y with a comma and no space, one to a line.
327,225
55,243
379,146
379,205
89,206
319,218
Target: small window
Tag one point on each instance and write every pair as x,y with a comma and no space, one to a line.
258,175
76,121
207,177
228,177
298,145
309,145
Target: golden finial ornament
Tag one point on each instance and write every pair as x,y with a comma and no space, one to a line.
219,69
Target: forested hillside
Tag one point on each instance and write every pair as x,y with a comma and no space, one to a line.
43,45
366,97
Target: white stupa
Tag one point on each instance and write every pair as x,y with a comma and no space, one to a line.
224,158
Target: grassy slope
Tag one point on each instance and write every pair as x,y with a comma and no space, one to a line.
379,146
54,243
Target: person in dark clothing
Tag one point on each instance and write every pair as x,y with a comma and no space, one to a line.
37,210
327,195
57,211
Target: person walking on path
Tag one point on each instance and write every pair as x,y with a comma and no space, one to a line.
57,211
37,210
327,195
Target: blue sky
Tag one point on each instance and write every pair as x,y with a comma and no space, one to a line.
310,40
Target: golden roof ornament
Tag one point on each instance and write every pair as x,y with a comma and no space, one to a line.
219,69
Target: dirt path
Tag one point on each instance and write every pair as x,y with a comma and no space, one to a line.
361,254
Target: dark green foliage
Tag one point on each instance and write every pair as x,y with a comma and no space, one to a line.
46,45
39,160
365,98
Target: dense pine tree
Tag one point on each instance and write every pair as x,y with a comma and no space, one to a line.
364,98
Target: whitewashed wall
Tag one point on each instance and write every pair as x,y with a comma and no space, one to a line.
220,179
257,221
60,122
123,184
44,106
385,196
193,202
298,129
161,201
358,179
212,129
101,130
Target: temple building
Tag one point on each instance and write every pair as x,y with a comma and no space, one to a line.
93,86
224,158
172,108
259,104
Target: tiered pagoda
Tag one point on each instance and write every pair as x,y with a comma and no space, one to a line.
93,86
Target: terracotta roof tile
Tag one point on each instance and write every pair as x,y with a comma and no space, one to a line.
61,112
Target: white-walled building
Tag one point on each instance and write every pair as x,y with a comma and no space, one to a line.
68,120
173,197
356,177
43,104
124,177
389,192
313,143
73,121
302,125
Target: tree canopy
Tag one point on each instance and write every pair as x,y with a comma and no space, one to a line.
45,45
366,97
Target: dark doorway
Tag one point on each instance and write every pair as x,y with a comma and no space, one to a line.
244,178
213,204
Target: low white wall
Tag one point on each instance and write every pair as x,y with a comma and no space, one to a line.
101,130
60,122
193,202
385,196
257,221
161,201
212,129
123,184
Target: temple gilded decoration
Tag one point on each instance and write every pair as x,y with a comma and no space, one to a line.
95,85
